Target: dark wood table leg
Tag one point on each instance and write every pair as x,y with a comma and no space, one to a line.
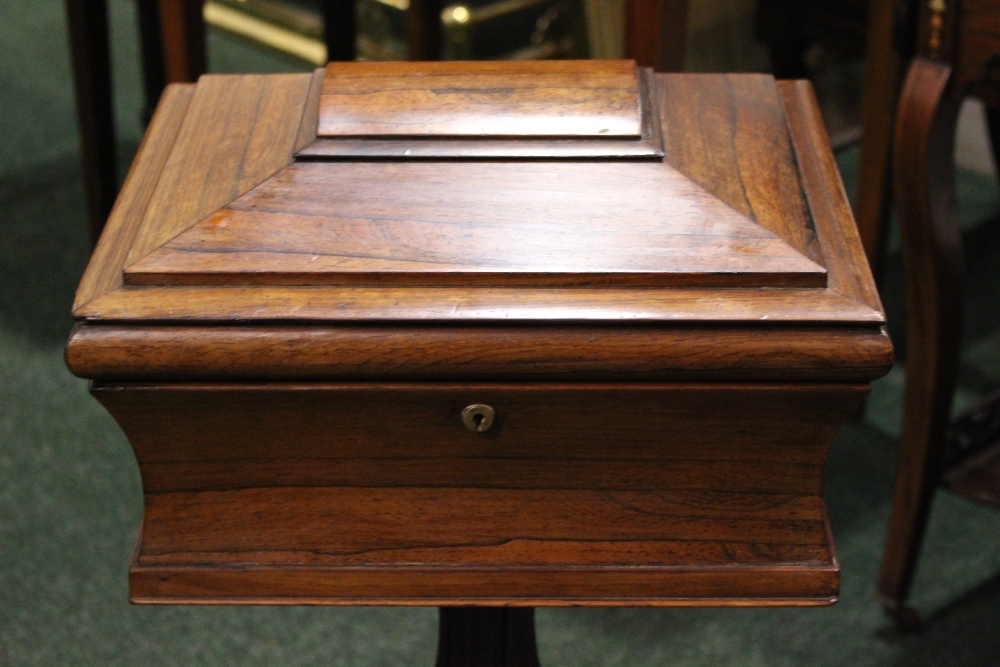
487,637
423,29
88,39
151,45
932,262
182,26
339,30
884,70
656,33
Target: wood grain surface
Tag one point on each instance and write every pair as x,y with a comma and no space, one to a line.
669,346
432,352
830,209
469,304
309,125
481,99
385,479
729,134
736,586
238,130
691,151
539,224
104,272
648,146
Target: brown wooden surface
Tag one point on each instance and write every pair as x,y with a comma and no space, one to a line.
238,130
679,495
104,272
830,211
932,256
309,123
510,98
649,146
542,224
352,304
415,352
884,70
775,203
469,149
669,587
737,146
691,474
975,62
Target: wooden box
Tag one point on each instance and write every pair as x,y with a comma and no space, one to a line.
650,285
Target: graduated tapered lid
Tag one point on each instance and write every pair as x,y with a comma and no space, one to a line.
574,190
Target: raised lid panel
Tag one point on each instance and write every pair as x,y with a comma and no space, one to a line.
481,99
481,224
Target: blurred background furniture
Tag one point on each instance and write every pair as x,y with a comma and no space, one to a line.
173,45
958,55
656,33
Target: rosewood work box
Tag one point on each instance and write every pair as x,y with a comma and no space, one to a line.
519,333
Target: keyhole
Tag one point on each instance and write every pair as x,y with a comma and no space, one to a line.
478,417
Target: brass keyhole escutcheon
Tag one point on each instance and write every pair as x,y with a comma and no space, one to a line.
478,417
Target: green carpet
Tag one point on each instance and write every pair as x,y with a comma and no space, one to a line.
70,497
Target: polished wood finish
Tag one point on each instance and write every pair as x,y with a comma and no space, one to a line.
416,487
668,339
435,352
235,147
566,98
933,296
720,148
104,272
770,141
648,145
958,43
933,270
461,304
541,224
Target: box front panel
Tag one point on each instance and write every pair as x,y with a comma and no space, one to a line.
626,494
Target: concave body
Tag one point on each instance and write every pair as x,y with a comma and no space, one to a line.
662,301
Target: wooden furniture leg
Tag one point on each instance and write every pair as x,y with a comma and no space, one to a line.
993,125
775,27
423,29
932,262
183,32
88,39
151,46
339,30
884,72
487,637
656,33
